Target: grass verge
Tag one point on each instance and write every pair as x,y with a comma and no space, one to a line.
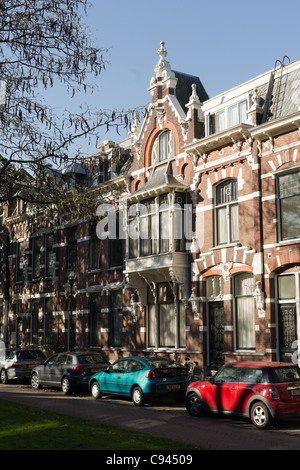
29,428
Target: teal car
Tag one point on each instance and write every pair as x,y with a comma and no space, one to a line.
141,378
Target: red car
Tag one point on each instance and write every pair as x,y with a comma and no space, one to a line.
260,391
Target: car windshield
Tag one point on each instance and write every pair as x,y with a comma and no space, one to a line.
161,362
284,374
90,359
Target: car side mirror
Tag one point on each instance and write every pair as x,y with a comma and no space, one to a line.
107,370
212,380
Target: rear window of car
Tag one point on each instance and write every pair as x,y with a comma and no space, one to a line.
161,362
284,374
90,359
27,355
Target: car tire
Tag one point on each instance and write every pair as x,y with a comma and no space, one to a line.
3,376
194,405
137,396
35,381
95,390
260,415
66,386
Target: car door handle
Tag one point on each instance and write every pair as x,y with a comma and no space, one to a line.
233,388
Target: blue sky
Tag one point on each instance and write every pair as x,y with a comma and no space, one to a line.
224,43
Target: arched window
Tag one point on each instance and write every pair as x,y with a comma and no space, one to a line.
163,147
226,213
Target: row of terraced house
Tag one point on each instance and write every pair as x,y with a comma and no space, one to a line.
214,183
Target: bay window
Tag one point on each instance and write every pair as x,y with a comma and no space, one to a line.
154,224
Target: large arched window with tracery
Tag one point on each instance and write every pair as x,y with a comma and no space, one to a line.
164,147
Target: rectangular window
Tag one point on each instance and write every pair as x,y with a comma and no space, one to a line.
116,318
233,116
243,112
94,249
49,255
164,224
20,262
72,247
286,287
289,205
116,247
95,319
245,327
36,255
49,320
167,318
220,121
35,322
228,117
227,213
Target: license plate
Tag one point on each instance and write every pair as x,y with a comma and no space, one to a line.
33,365
295,392
96,370
173,387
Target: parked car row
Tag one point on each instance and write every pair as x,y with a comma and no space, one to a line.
259,391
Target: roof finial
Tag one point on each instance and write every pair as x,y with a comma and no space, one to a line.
163,67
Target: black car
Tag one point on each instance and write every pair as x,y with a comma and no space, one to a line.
68,370
18,363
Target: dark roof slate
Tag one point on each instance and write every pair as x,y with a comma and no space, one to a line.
184,89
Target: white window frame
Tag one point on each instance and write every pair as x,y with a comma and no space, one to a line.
227,206
225,112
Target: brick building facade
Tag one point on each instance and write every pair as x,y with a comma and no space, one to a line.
208,261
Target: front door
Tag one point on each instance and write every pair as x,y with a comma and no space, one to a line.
287,331
216,335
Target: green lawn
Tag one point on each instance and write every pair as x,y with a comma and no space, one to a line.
29,428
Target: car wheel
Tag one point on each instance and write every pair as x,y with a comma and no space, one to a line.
260,415
137,396
3,376
95,390
35,381
65,385
194,405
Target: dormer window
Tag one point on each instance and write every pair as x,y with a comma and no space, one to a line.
163,147
228,117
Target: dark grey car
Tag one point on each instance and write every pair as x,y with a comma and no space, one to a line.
68,370
18,363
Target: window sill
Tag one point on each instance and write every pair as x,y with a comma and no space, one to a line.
292,241
228,245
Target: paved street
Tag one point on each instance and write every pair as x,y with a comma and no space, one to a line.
162,419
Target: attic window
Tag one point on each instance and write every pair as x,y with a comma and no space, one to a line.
228,117
163,147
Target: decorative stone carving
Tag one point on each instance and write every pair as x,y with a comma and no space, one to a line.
194,300
260,300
